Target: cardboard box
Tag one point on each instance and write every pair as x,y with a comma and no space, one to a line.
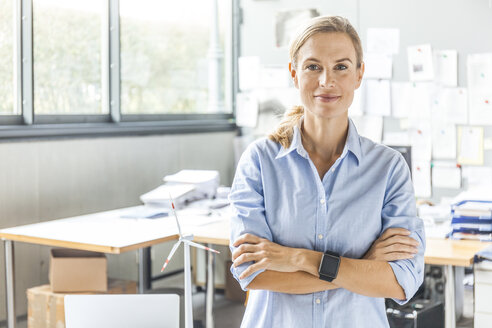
46,309
74,270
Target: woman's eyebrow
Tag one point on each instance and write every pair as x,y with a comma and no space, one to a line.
344,59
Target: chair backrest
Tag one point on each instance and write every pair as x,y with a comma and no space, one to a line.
107,311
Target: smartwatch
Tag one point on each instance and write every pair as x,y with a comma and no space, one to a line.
328,268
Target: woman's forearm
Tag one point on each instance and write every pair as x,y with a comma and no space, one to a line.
290,282
366,277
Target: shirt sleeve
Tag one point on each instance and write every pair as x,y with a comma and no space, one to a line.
248,208
399,211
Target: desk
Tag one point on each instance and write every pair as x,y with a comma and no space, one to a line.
451,253
104,232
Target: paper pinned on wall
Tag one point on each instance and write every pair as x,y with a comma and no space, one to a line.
446,67
480,100
421,178
444,141
470,145
411,99
383,40
378,66
249,72
377,97
479,70
477,177
446,175
420,63
420,135
274,77
287,22
370,127
451,106
355,108
246,109
396,139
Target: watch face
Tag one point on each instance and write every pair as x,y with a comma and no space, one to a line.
329,265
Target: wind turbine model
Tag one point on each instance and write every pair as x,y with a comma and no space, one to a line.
187,241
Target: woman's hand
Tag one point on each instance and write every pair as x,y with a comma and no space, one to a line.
394,244
265,254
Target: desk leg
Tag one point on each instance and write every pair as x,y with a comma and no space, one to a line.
449,294
10,283
209,305
144,270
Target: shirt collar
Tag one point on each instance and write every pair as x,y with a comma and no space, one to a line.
352,143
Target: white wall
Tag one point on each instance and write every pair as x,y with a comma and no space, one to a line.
45,180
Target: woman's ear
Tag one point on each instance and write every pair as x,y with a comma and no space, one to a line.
293,74
360,74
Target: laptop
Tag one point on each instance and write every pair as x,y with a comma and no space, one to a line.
122,311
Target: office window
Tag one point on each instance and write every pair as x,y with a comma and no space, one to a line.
7,57
171,63
67,38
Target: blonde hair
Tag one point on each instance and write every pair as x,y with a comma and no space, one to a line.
323,24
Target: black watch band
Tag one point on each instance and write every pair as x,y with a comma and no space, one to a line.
328,268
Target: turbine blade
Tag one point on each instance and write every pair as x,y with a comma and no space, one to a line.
201,246
173,250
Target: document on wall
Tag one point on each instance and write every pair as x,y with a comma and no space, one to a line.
479,75
370,127
421,178
249,72
378,66
247,109
446,67
287,22
450,106
274,77
396,139
377,97
477,177
420,139
410,99
383,40
444,141
446,175
420,63
480,99
470,145
355,108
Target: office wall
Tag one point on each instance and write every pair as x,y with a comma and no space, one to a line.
463,25
45,180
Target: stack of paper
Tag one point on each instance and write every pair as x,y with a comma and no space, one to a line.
472,219
160,197
204,182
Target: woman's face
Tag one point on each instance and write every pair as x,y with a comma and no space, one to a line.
326,74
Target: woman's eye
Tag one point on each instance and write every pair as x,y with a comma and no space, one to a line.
341,67
313,67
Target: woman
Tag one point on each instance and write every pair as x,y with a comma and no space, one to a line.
324,224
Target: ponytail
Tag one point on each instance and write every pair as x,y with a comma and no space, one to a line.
285,129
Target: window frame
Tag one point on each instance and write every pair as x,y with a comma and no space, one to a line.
28,125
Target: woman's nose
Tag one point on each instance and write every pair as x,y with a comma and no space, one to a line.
326,79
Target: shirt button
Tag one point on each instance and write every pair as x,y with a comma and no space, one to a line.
322,201
320,236
318,301
333,170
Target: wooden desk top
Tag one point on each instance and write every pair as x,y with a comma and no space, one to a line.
107,232
452,252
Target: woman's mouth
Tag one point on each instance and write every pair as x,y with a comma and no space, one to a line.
327,98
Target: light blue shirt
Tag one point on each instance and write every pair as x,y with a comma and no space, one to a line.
277,194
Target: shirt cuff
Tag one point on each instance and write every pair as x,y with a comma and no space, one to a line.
403,277
236,272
